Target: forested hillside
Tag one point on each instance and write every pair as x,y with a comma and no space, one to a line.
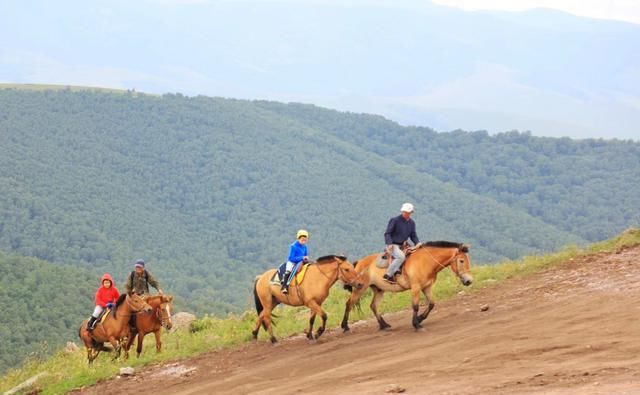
210,191
42,306
580,186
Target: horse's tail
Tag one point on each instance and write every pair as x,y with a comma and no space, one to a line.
256,299
347,286
258,303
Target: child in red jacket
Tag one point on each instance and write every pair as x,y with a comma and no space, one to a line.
106,296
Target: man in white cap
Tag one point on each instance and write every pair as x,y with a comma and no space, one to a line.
399,230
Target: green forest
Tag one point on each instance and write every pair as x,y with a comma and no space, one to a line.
210,192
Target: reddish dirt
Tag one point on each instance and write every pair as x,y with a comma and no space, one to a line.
571,329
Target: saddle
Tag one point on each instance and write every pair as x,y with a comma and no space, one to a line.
384,258
103,316
299,274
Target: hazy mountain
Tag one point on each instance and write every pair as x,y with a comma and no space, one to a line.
412,61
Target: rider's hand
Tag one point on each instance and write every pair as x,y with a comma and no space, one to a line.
390,248
305,259
160,292
110,305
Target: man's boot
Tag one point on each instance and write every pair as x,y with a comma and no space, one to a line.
285,278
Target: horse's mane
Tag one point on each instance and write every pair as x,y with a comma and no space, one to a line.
446,244
118,303
330,258
121,299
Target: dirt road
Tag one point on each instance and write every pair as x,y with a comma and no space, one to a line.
573,329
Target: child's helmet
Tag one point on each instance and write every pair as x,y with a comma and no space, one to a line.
301,233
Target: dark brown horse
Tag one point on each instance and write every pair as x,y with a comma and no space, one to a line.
312,292
152,321
114,328
420,271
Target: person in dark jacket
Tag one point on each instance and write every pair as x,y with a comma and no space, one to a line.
399,230
140,279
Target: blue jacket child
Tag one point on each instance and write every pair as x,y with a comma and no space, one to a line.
297,253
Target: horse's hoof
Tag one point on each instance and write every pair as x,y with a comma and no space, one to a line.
274,341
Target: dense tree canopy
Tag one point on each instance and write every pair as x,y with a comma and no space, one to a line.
211,191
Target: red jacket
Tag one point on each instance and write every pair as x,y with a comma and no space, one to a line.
106,295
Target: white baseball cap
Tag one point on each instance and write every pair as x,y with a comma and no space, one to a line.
407,208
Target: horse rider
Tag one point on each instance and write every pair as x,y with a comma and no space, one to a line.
399,230
140,279
298,254
106,296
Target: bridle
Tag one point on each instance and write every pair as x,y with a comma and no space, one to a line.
458,272
162,320
338,272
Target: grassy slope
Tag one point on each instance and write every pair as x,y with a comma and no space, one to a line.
71,371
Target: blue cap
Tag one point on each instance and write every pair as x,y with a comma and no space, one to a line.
140,263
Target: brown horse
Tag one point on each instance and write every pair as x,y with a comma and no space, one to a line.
312,292
419,273
114,328
153,321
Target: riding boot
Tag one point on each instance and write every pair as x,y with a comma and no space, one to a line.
285,279
91,324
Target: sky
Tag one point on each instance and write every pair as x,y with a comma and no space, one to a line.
622,10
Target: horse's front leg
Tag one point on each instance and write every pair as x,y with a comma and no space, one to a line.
139,344
128,344
415,305
377,298
158,341
430,304
353,299
315,310
116,347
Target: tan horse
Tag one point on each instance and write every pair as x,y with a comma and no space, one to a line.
114,328
419,273
312,292
152,321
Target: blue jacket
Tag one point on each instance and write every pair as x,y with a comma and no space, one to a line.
399,230
297,251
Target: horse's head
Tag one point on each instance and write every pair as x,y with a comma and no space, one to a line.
137,303
347,273
165,309
461,265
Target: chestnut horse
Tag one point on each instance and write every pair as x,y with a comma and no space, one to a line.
153,321
114,328
312,292
419,273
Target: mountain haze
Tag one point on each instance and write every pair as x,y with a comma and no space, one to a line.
412,61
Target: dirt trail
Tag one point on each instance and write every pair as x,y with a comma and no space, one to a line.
572,329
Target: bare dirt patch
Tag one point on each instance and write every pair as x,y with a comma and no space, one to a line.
572,329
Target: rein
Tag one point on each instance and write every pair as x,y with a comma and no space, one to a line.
447,263
337,271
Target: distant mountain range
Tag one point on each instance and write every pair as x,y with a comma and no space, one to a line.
411,61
